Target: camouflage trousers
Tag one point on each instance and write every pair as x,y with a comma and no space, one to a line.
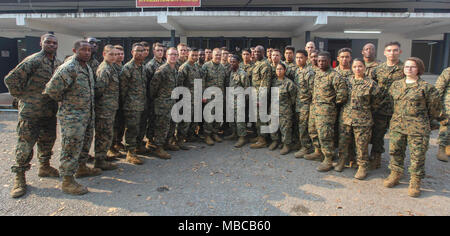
40,131
210,128
312,130
285,129
418,146
151,121
119,127
239,128
379,129
303,118
165,129
76,139
355,137
323,131
444,137
104,135
133,127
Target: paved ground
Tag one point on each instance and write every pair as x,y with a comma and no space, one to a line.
222,180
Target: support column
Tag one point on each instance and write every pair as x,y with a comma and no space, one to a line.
307,36
172,38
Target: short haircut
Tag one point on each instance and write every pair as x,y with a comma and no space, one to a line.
360,60
325,54
315,51
419,63
47,36
217,50
224,49
136,45
108,48
182,45
283,65
349,50
172,48
145,44
118,47
289,48
236,57
302,51
193,50
276,50
247,50
78,43
155,45
392,44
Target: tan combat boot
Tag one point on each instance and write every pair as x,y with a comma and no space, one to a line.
102,164
85,171
232,136
241,142
442,156
273,145
209,140
161,153
261,143
375,162
20,185
326,165
285,150
45,170
217,138
171,147
393,179
70,186
315,156
301,153
362,172
340,164
414,186
133,159
182,144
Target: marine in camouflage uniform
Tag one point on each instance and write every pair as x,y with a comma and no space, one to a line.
37,114
330,90
238,79
370,67
384,75
133,93
415,105
355,125
443,87
119,121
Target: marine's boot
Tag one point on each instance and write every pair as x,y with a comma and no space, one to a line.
392,180
70,186
113,155
253,140
285,150
375,161
142,150
273,145
315,156
339,167
119,147
20,186
102,164
150,145
361,173
414,186
209,140
301,153
45,170
85,171
133,159
217,138
161,153
442,156
172,147
241,142
326,165
232,136
182,144
261,143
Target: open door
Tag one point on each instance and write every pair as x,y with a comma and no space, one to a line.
8,59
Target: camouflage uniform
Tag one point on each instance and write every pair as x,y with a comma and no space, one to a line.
163,82
238,79
248,69
291,69
94,64
345,74
119,120
261,78
37,113
215,76
287,97
188,73
150,68
356,120
304,79
414,107
330,90
443,87
133,93
106,106
370,67
73,86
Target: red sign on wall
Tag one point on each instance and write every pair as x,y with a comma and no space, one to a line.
168,3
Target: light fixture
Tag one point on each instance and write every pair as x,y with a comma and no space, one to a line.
362,31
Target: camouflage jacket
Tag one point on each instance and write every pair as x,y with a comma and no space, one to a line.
152,66
73,86
239,78
106,91
415,105
287,95
304,79
344,73
214,75
370,67
227,67
291,68
94,63
262,75
248,69
27,81
133,87
188,73
164,81
385,75
443,86
330,89
364,97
